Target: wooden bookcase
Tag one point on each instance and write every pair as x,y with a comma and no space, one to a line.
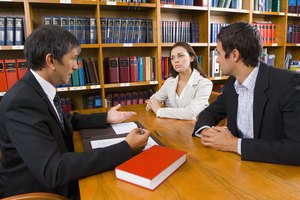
34,11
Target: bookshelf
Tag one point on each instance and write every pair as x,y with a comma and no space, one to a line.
34,11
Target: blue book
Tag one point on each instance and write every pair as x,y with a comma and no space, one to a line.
93,30
87,30
47,20
81,72
123,33
143,31
130,29
103,21
72,25
98,101
64,23
149,31
117,30
10,29
189,2
19,31
110,30
136,31
56,21
140,69
2,31
79,29
179,2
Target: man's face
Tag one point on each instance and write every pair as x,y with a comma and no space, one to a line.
227,64
65,69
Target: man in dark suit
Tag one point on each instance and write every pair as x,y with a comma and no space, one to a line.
261,103
36,138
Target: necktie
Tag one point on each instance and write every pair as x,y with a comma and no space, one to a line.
57,104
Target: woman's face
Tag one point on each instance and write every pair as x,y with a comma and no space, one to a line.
181,60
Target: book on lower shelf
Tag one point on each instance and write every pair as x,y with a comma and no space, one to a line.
151,167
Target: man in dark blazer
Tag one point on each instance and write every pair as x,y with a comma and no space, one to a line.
261,103
36,142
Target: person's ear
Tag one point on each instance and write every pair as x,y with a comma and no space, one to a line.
50,61
235,55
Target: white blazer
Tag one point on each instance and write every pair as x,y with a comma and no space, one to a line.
188,107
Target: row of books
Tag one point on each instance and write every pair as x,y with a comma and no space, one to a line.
235,4
267,5
294,6
293,33
128,98
267,58
215,28
126,30
129,69
84,28
10,72
185,2
11,31
93,101
267,31
179,31
87,74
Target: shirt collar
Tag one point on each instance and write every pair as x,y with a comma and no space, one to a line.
46,86
249,82
191,79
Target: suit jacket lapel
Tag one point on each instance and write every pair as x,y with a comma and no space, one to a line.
232,104
34,83
260,97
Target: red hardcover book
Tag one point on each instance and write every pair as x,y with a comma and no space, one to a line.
3,84
141,97
151,167
113,69
133,69
11,73
22,67
128,98
124,69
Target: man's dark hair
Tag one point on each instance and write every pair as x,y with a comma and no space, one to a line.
245,38
194,64
48,39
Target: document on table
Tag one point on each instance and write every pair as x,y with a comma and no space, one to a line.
122,128
108,142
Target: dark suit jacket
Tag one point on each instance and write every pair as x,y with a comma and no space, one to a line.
276,116
37,153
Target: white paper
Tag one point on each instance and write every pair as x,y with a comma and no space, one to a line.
122,128
108,142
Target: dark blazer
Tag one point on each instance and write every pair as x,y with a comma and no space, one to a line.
276,116
38,155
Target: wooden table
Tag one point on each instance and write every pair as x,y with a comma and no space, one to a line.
207,174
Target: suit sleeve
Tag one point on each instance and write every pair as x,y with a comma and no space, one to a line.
34,134
286,149
196,105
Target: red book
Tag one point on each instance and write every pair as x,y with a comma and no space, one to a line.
3,85
151,167
113,68
124,69
133,69
11,73
22,67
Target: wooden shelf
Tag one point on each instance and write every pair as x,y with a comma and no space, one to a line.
117,85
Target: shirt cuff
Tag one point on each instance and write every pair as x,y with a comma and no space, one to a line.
158,113
239,146
198,131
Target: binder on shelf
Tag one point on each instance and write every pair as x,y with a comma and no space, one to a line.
149,31
123,33
117,30
79,29
103,21
64,23
22,67
87,30
72,25
151,167
11,73
47,20
3,84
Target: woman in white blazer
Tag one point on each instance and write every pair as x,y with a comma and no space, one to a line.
185,94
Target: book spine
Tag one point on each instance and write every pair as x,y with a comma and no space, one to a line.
19,31
11,72
93,30
3,84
